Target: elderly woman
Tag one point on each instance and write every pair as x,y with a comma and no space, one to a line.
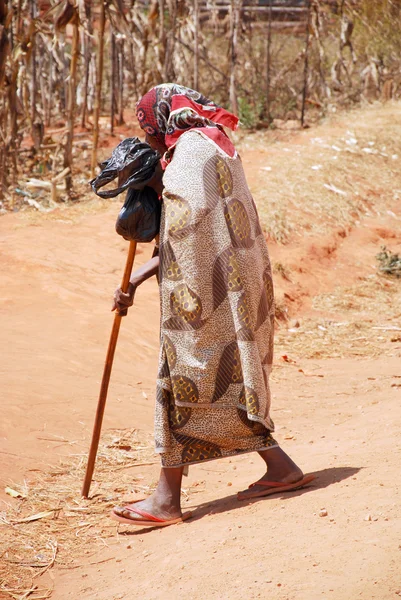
217,306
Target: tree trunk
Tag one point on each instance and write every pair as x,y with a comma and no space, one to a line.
306,68
5,48
11,143
234,24
50,91
268,63
113,90
196,44
121,82
99,79
34,83
162,38
132,68
169,74
85,52
72,86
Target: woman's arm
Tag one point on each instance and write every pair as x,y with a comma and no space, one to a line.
123,301
147,270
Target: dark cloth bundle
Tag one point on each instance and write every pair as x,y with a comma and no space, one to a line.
134,163
139,218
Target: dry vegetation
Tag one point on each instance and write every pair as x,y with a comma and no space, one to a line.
48,523
314,182
329,177
359,321
65,64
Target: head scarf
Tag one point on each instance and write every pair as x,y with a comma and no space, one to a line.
169,110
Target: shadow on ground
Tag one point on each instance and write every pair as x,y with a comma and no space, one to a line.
324,478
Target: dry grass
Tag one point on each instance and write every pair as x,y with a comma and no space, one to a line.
361,320
308,182
318,180
51,524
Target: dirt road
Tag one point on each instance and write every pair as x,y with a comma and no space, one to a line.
337,417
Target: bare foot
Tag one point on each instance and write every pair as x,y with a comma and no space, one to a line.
280,468
164,503
154,505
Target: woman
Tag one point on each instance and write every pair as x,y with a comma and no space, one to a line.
217,306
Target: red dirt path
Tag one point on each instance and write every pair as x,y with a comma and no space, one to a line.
58,274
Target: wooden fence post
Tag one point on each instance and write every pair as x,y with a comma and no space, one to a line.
234,22
196,44
99,80
306,66
268,63
72,86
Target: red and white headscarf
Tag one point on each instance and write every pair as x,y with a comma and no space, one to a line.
169,110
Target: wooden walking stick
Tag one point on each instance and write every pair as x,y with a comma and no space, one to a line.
106,377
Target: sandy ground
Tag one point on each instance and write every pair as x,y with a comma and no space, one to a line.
339,418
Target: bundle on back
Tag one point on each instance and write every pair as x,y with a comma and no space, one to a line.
134,163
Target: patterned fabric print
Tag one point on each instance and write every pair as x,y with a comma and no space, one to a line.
164,371
234,276
243,312
225,181
208,435
268,283
195,450
185,390
169,266
258,228
186,304
162,396
171,353
178,213
211,182
266,304
256,427
238,224
249,398
226,276
209,315
178,415
178,324
229,370
268,359
163,433
244,316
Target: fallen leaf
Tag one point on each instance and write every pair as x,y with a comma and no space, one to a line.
13,493
286,359
309,374
37,516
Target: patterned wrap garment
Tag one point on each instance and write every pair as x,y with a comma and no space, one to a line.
217,306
